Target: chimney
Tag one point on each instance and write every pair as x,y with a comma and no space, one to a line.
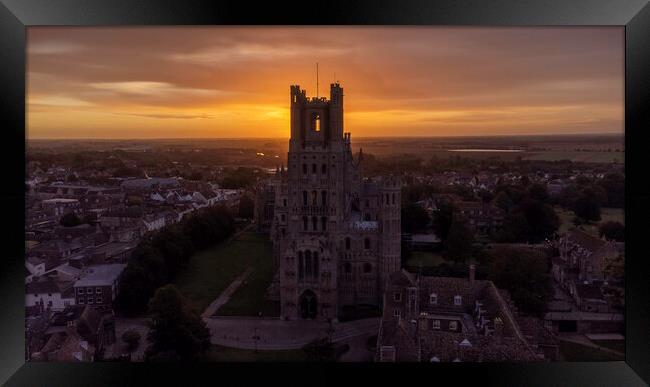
472,273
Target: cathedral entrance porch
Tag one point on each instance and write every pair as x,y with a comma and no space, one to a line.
308,305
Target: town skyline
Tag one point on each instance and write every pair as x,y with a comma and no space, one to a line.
230,82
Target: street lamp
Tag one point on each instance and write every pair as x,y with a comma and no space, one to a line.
256,338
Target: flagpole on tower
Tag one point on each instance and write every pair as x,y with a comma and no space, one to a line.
316,80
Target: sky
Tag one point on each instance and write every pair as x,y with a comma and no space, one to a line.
233,82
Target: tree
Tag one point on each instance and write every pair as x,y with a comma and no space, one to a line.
503,201
246,207
539,192
612,230
460,240
175,326
132,339
442,218
524,273
542,220
414,218
587,205
614,186
70,220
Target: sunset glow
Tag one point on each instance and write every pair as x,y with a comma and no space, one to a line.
189,82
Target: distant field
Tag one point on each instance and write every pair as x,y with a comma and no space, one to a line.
212,270
577,156
606,214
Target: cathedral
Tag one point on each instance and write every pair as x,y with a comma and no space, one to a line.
336,235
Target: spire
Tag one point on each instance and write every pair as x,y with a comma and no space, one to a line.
316,80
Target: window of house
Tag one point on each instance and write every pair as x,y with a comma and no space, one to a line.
304,198
80,291
436,324
366,243
367,268
453,325
81,300
90,300
98,300
397,296
347,243
49,294
89,291
49,303
396,313
98,290
433,299
458,300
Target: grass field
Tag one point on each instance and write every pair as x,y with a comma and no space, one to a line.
248,299
578,352
425,259
212,270
218,353
606,214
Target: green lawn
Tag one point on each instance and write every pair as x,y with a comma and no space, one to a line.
425,259
212,270
606,214
578,352
218,353
248,299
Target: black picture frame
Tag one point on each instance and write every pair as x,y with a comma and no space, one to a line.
634,15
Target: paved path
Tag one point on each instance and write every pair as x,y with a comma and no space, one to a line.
358,351
225,295
276,334
582,340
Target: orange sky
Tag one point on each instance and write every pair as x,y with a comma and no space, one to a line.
190,82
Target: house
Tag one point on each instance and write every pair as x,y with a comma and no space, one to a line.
98,285
442,319
483,218
49,293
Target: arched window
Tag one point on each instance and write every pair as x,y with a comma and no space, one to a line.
323,222
367,268
301,265
313,168
308,265
314,223
324,169
323,198
314,198
315,262
304,169
393,197
305,223
304,198
347,243
366,243
348,268
386,199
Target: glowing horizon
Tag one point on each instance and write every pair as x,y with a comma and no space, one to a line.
233,82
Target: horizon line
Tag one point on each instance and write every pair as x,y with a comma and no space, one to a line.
287,138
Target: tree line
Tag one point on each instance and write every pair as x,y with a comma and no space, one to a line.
159,257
